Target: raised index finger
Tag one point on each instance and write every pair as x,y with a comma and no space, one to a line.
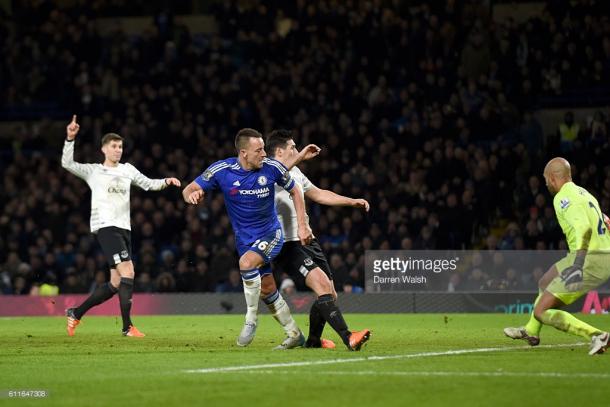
74,119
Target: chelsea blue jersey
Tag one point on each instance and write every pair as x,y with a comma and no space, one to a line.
249,195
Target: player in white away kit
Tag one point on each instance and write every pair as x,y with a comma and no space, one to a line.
308,261
110,184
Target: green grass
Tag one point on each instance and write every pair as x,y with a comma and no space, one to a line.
99,367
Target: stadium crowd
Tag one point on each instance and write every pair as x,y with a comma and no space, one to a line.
426,112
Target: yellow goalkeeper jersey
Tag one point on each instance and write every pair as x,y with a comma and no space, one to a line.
578,211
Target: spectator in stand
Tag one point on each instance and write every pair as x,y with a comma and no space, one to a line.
388,94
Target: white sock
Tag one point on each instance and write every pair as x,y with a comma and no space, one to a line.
281,312
252,292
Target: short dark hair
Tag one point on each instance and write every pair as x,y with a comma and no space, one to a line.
244,135
277,139
110,137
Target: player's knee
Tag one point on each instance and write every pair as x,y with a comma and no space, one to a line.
129,273
332,288
126,270
327,285
319,282
115,280
245,263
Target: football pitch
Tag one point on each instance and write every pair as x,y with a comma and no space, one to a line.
418,359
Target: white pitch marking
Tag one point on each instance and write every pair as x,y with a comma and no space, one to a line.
373,358
554,375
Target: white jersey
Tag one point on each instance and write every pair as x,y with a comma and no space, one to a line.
286,212
110,187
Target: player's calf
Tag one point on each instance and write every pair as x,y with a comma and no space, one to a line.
100,295
252,288
281,312
327,307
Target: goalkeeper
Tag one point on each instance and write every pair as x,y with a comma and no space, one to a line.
583,269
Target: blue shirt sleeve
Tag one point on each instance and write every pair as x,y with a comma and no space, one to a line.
281,175
208,180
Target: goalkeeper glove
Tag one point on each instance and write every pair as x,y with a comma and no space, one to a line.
574,274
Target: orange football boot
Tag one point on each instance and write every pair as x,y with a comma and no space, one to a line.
72,321
358,338
133,331
327,344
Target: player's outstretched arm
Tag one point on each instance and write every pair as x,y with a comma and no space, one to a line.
149,184
193,193
329,198
310,151
67,156
304,231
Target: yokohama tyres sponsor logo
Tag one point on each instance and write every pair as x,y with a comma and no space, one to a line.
260,192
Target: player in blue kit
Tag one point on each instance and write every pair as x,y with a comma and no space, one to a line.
247,182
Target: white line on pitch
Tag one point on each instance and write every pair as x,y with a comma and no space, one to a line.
554,375
373,358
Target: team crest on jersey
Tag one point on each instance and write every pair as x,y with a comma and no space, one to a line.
262,180
564,203
207,175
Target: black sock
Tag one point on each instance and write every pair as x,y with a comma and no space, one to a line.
316,326
331,313
125,293
101,294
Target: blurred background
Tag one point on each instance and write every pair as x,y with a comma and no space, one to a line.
442,114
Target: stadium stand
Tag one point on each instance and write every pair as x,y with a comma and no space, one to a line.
426,111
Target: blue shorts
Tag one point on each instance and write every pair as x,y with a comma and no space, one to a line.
268,247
